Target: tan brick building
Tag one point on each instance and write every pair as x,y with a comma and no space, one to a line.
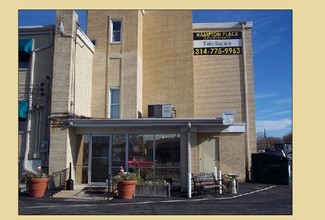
152,92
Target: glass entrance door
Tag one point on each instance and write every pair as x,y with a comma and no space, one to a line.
99,159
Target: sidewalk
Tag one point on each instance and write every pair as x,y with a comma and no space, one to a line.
100,193
251,199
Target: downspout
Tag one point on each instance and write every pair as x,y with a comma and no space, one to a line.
30,101
73,36
37,132
247,155
189,174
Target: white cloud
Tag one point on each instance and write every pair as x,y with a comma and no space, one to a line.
266,95
283,113
283,101
273,125
262,46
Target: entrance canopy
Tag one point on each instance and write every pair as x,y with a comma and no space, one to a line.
159,126
199,124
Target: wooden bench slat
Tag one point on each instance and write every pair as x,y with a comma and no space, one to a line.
206,181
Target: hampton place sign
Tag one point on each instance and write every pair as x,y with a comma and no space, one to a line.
217,43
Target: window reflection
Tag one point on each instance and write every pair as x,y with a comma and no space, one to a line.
82,152
141,150
155,156
168,150
150,156
118,151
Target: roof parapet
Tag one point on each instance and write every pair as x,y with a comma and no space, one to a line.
222,25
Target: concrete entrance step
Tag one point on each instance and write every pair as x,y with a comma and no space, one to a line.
84,192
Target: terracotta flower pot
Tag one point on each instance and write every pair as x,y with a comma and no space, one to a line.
126,188
37,186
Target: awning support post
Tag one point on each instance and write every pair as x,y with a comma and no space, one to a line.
189,177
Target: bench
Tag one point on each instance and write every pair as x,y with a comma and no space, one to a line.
204,181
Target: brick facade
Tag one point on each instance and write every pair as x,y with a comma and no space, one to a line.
71,88
153,64
219,85
168,65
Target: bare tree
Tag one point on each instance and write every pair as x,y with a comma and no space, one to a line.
266,142
287,138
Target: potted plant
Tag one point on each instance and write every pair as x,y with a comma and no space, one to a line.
125,183
37,182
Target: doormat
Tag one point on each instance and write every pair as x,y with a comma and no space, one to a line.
95,190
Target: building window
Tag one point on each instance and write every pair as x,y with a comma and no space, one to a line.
25,47
22,125
114,103
167,150
155,156
116,31
118,152
140,155
23,60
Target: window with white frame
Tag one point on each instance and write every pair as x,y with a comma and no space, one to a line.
114,108
116,30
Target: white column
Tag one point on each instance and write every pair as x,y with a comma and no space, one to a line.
30,107
189,175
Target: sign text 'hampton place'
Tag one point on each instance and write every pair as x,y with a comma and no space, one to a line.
217,43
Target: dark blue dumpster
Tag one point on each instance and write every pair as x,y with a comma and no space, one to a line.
270,168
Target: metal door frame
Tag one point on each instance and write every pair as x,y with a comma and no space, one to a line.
90,159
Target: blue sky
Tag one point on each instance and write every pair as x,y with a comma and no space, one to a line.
272,59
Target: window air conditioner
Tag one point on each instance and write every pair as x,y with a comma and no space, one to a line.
160,111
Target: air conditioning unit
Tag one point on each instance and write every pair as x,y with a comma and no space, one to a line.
161,111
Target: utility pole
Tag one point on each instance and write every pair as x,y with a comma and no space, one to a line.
266,140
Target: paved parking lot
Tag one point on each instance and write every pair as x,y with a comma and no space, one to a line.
252,199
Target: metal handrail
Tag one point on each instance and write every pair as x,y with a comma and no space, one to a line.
58,179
